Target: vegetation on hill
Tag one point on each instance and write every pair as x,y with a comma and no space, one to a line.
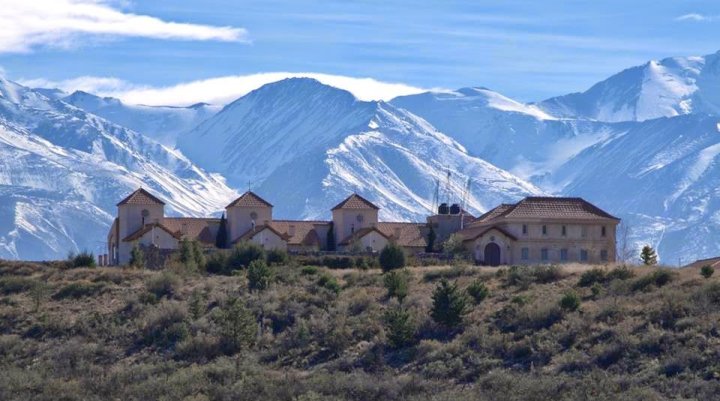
312,333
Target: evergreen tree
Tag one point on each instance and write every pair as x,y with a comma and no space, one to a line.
331,238
399,327
259,275
392,257
137,258
648,255
431,240
221,238
449,305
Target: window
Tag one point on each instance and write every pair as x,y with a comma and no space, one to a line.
603,231
584,255
544,254
544,230
564,231
564,255
604,254
525,254
584,231
524,229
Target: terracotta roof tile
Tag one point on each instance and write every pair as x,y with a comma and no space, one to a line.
300,232
147,228
141,197
361,233
405,234
355,201
249,234
556,207
472,233
201,229
249,199
712,262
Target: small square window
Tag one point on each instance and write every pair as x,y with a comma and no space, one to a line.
525,253
544,254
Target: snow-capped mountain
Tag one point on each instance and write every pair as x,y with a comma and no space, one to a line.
667,88
62,171
307,145
161,123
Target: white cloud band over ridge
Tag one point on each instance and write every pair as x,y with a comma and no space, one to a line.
220,90
27,24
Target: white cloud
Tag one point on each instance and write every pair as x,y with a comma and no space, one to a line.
220,90
30,23
696,17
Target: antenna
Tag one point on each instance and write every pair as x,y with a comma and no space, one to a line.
436,197
448,189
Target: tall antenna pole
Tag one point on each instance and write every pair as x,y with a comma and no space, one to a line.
448,189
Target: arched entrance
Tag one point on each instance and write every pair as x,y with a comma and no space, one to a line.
492,254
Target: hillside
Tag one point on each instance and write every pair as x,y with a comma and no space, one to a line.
638,334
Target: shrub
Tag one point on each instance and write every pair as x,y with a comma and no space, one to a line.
191,255
277,257
707,271
137,257
658,278
79,289
592,276
478,291
309,270
392,257
596,289
396,284
164,326
259,275
14,284
570,301
521,276
449,305
238,326
217,263
329,282
547,274
163,285
399,328
453,246
620,273
82,259
243,254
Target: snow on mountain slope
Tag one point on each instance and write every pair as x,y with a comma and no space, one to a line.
665,171
306,146
161,123
670,87
509,134
62,171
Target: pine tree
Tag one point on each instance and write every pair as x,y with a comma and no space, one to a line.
221,238
137,258
449,305
399,327
648,255
331,238
431,240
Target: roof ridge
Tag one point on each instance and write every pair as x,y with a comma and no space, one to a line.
342,204
248,195
137,192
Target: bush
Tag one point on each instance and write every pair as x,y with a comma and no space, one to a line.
277,257
707,271
396,284
238,326
399,328
309,270
592,276
392,257
449,305
570,301
329,282
137,257
191,255
79,290
164,326
243,254
658,278
478,291
163,285
547,274
620,273
217,263
259,275
82,259
14,284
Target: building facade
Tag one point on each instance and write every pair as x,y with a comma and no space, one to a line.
533,231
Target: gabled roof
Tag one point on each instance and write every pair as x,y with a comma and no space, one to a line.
556,207
147,228
712,262
249,199
249,234
492,213
141,197
405,234
473,233
355,201
304,231
361,233
194,228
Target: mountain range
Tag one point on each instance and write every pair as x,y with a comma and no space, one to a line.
642,144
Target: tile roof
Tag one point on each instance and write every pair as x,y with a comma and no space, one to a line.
147,228
194,228
405,234
472,233
492,213
355,201
713,262
141,197
304,231
249,199
249,234
361,233
545,208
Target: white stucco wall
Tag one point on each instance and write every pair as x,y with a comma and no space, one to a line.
239,219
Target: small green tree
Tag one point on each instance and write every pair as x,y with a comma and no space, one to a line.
82,259
396,283
238,327
243,254
277,257
478,291
648,255
392,257
221,238
187,255
331,247
570,301
707,271
453,246
449,305
399,327
137,257
259,275
431,240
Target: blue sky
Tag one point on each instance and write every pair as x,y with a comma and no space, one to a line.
528,50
